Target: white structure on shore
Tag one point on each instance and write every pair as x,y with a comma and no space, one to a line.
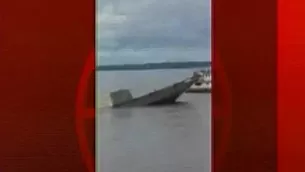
204,83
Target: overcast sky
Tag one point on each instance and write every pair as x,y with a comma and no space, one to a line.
141,31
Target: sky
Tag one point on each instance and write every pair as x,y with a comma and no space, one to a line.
148,31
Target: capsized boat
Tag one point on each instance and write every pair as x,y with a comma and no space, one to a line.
167,95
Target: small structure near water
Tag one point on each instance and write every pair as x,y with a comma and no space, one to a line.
203,84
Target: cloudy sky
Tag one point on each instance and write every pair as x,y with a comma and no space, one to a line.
141,31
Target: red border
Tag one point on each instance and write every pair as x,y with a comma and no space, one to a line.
291,84
244,37
43,48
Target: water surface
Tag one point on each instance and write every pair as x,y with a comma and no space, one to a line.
173,138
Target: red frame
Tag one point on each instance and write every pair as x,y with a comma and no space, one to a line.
291,63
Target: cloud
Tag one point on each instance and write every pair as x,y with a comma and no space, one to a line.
137,31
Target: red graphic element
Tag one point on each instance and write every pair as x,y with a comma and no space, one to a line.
244,33
221,113
83,112
291,86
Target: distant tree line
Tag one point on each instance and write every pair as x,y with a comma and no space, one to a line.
150,66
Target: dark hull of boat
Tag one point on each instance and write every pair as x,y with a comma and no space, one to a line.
198,91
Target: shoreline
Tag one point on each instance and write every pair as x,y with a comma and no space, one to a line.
155,66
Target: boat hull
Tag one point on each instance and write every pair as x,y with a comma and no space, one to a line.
167,95
202,90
